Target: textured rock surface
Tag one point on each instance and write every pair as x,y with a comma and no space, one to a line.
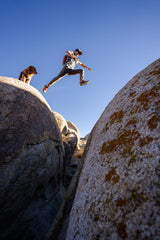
31,162
59,226
62,123
73,158
118,192
79,152
72,129
69,143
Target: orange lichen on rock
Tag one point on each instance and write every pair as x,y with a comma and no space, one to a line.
153,122
121,230
147,96
112,176
145,140
122,202
105,129
131,122
157,105
155,71
127,138
134,83
116,116
132,94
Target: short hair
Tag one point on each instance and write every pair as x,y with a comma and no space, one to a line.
79,51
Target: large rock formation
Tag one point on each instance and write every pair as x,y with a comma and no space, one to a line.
36,164
72,129
62,123
72,145
118,192
59,226
31,162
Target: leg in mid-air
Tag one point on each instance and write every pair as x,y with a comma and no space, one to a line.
62,73
67,71
78,71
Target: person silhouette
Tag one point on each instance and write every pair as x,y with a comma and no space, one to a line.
69,62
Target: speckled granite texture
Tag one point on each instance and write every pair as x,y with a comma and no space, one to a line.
118,195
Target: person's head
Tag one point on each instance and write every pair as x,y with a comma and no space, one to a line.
77,52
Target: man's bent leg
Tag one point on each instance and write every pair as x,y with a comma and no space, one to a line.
76,71
62,73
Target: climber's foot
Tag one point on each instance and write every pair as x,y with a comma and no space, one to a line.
45,88
82,83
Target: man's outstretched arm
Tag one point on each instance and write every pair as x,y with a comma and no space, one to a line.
83,65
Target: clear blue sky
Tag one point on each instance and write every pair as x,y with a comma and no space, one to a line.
118,39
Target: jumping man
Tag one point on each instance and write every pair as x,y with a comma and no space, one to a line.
69,62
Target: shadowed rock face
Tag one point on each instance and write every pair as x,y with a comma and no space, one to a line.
31,162
25,118
118,192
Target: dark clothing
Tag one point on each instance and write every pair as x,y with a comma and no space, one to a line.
67,71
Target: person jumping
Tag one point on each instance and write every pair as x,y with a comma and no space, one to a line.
69,62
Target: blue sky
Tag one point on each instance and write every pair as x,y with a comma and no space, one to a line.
118,39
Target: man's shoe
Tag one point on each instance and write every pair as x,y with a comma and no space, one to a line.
45,88
82,83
